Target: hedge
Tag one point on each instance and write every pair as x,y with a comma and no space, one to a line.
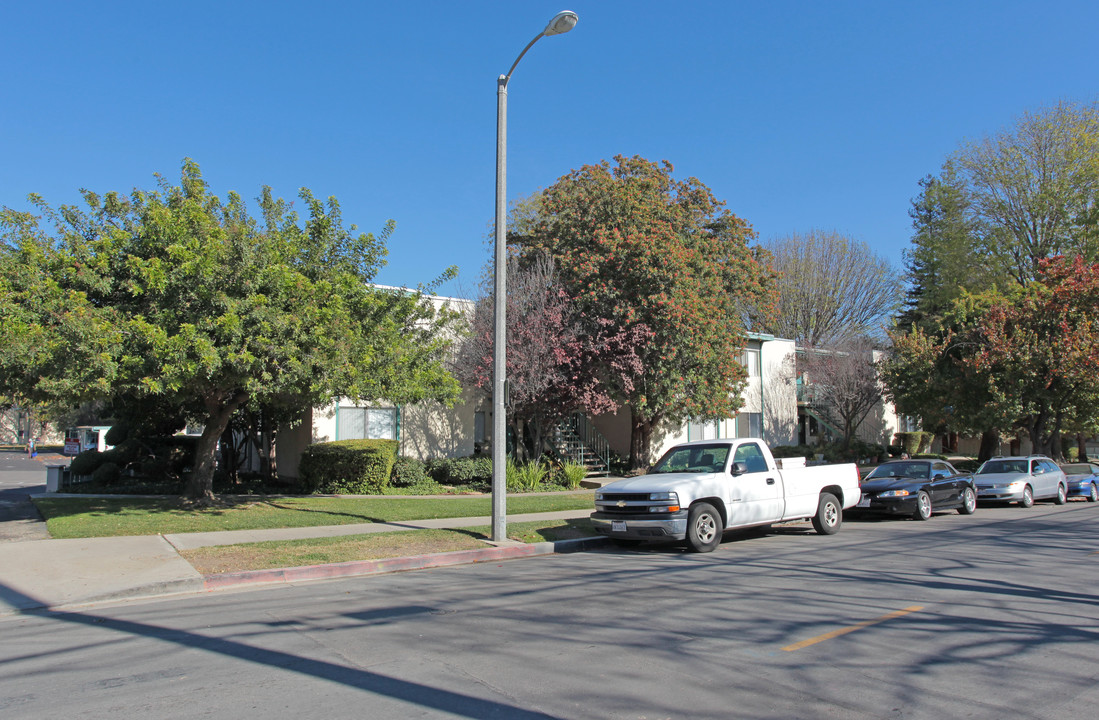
348,467
915,442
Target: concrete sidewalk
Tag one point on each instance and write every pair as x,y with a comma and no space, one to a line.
57,574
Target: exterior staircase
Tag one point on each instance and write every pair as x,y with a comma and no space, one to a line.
576,440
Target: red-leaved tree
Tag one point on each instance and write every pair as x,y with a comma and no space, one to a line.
1040,350
558,362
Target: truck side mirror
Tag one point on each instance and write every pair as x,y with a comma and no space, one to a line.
738,468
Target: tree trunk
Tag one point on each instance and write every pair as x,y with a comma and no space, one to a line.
990,445
641,442
200,486
229,453
536,441
518,443
1081,448
270,453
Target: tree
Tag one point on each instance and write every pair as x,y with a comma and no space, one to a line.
1033,188
1000,208
178,295
831,288
844,382
556,363
1040,348
926,374
637,248
945,248
1022,359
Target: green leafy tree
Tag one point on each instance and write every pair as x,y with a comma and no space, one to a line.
1040,348
1033,188
942,261
179,295
1025,359
636,247
926,374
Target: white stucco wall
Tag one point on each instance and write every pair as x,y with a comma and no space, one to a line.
773,393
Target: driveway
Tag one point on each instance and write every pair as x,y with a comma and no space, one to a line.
20,476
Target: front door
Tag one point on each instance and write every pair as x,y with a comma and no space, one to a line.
757,495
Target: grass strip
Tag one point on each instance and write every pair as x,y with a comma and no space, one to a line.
106,517
375,546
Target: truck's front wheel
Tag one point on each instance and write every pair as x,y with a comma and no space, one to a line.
829,515
704,527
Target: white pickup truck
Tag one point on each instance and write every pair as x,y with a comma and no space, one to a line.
699,489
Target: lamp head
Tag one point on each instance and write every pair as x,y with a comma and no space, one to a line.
562,22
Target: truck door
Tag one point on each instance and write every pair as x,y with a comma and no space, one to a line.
757,495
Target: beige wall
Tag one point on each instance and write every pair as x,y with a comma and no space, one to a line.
432,430
774,393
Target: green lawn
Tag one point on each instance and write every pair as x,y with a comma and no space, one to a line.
315,551
101,517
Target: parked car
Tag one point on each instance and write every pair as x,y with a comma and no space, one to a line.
700,489
917,488
1083,480
1021,479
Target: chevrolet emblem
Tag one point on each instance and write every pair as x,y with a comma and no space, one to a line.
621,503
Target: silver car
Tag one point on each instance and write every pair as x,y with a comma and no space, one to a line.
1021,479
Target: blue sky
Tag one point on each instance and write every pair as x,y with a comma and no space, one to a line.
799,115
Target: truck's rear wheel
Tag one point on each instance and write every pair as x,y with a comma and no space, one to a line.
704,527
829,515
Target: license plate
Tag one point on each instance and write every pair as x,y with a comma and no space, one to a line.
618,526
864,501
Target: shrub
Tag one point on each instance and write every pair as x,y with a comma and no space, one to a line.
107,474
408,472
915,442
355,467
116,434
573,474
525,478
460,471
482,468
783,451
86,462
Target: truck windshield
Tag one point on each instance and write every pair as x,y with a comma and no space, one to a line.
693,459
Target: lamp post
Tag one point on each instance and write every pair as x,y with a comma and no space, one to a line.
562,22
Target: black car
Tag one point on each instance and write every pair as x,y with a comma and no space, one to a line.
916,488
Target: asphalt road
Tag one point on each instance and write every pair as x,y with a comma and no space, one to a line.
20,476
990,616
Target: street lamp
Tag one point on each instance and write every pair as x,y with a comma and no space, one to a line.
562,22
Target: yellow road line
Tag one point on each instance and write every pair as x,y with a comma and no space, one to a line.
853,628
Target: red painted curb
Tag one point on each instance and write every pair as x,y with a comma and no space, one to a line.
371,567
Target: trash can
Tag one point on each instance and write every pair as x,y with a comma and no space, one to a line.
54,474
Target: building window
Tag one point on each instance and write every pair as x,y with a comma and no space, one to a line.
697,430
359,423
750,360
909,423
749,424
